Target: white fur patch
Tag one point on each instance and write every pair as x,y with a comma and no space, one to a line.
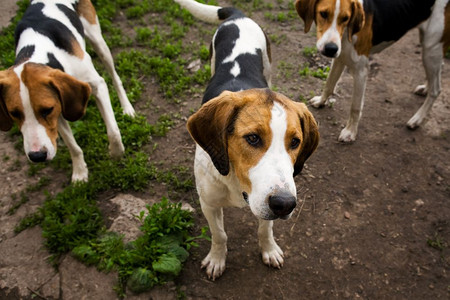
250,38
35,136
235,70
274,171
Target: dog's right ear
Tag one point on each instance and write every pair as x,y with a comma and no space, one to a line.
210,127
306,9
72,93
6,122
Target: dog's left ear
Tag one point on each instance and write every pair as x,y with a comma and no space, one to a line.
356,22
310,136
306,9
6,122
72,93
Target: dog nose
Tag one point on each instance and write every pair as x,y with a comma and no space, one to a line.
282,204
37,156
330,50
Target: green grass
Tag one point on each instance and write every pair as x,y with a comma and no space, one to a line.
71,220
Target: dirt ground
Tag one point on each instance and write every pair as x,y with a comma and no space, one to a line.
366,214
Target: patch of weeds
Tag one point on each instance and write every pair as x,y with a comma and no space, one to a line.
29,221
437,242
178,178
277,39
321,73
309,51
286,69
153,258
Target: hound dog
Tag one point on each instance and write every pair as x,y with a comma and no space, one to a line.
251,141
350,30
52,78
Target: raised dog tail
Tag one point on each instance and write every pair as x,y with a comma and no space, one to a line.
209,13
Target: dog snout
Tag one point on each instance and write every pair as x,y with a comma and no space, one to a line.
330,50
37,156
282,204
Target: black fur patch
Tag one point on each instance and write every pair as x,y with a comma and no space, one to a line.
229,12
73,17
251,66
24,54
53,29
53,62
392,19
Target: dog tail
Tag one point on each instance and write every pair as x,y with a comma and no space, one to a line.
209,13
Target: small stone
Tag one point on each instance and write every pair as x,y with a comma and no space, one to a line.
419,202
347,215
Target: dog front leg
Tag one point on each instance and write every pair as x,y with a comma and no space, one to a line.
359,73
337,66
79,168
272,255
214,262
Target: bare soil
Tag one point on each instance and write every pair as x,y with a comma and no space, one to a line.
367,214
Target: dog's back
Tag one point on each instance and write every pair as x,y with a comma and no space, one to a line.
240,51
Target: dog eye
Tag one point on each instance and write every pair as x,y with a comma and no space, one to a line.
344,19
253,139
295,143
46,111
324,14
16,114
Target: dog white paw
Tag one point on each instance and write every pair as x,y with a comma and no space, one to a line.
273,256
421,90
317,102
347,135
214,263
415,121
129,111
80,176
116,149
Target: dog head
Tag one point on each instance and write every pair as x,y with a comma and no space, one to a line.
332,17
262,137
34,96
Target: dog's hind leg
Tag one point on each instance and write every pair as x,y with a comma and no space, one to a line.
337,66
79,168
432,57
421,89
214,262
94,35
272,255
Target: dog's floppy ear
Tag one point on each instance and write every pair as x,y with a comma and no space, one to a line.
310,137
6,122
210,127
356,22
306,9
72,93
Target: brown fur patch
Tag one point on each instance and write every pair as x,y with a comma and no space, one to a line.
86,10
446,35
9,99
364,43
77,50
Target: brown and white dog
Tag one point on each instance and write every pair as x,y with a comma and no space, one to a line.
251,141
52,78
350,30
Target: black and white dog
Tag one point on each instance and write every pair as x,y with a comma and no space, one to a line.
251,141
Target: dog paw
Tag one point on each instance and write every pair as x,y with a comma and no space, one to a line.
273,256
421,90
317,102
214,264
414,122
129,111
80,177
347,135
116,149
